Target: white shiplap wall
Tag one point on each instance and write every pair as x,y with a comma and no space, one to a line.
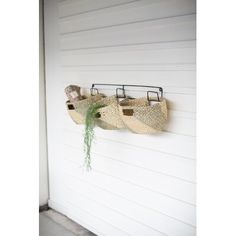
141,185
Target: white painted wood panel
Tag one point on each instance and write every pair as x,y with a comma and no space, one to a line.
159,182
120,211
134,11
166,78
157,162
158,202
163,56
72,7
161,30
148,68
126,225
181,145
140,184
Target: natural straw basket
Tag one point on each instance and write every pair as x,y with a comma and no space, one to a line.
83,105
108,116
75,116
78,105
141,117
74,95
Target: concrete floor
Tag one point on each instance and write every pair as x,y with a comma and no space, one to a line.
52,223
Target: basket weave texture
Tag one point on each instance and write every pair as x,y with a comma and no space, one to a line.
109,117
83,105
75,116
140,117
137,115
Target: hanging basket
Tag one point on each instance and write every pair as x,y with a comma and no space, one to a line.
139,116
75,116
78,105
108,116
83,105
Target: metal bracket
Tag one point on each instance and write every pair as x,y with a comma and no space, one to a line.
160,89
92,91
117,93
149,99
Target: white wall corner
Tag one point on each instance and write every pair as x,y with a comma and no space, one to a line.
43,167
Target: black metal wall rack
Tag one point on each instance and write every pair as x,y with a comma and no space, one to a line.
123,86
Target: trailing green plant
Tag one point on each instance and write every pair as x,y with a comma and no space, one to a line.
91,115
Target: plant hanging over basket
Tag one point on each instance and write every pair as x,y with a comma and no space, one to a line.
91,115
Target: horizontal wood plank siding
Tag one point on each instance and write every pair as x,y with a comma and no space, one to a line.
140,185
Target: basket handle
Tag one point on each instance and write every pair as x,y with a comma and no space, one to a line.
92,91
149,99
117,93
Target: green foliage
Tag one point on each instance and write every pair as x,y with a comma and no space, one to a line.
91,115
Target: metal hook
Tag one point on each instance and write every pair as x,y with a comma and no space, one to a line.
133,85
117,93
92,91
149,99
161,90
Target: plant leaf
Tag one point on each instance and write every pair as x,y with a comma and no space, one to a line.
89,132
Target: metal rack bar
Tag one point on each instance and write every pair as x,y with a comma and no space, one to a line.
130,85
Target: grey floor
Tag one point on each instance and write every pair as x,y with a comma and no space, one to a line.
52,223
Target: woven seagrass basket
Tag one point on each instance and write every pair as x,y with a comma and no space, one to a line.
141,117
75,116
108,116
78,105
82,106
